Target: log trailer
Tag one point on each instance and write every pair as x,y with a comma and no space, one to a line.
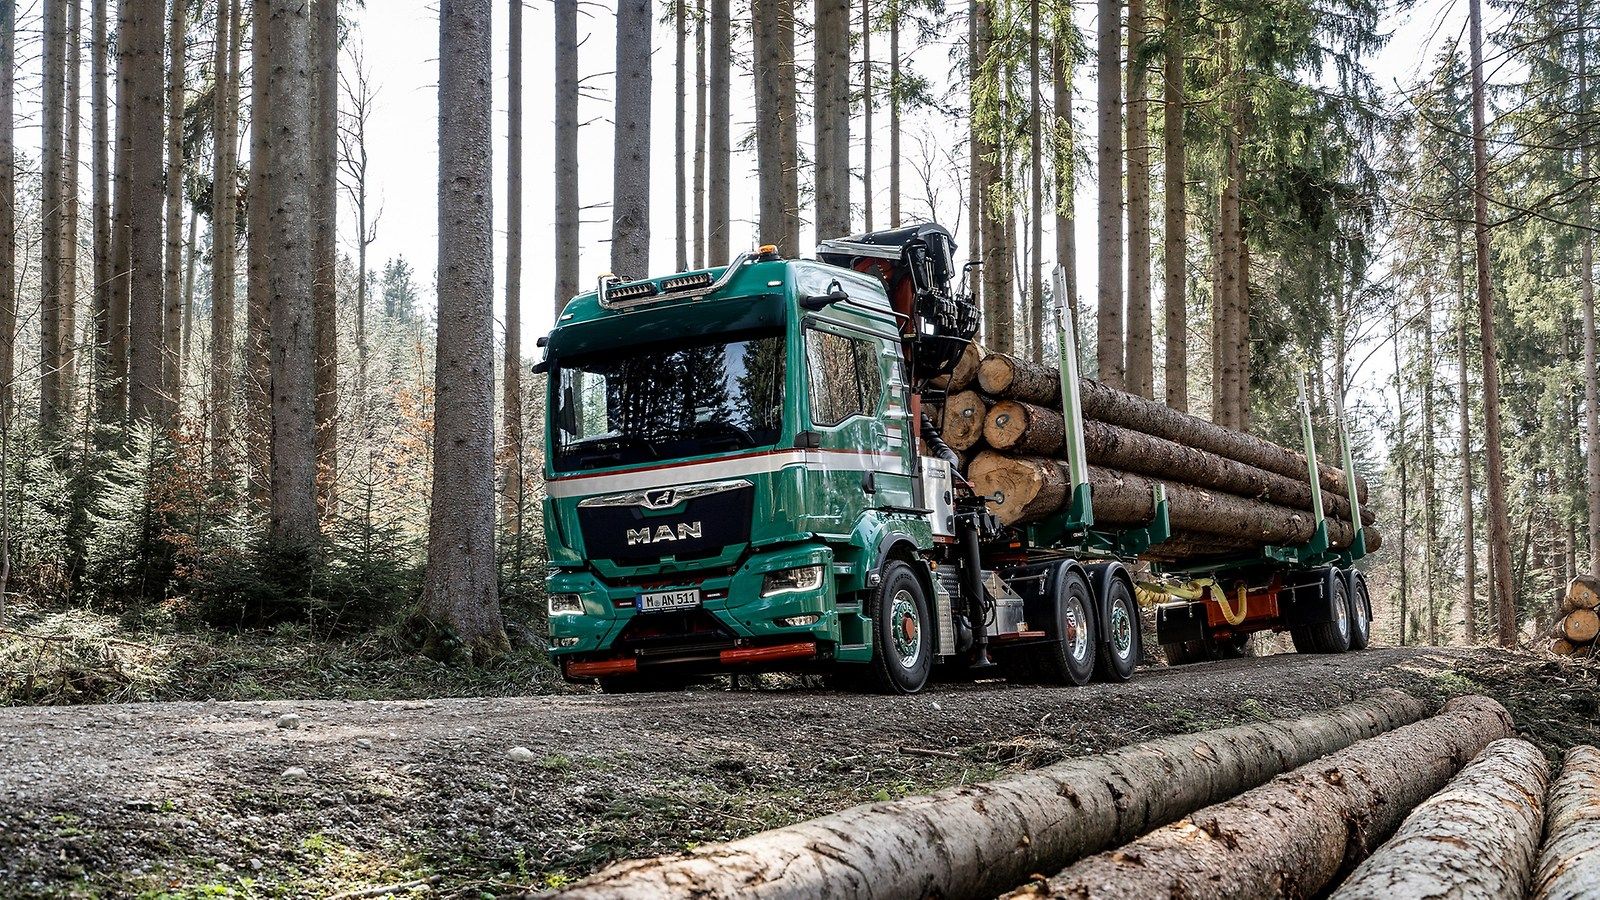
740,477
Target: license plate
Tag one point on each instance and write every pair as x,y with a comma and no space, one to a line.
660,601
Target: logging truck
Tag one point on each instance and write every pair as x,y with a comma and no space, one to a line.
746,470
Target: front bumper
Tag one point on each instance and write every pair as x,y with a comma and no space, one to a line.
735,626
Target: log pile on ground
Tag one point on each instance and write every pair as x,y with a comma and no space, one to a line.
1477,838
1227,491
1569,861
1579,625
978,840
1294,835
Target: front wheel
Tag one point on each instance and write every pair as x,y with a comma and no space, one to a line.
902,632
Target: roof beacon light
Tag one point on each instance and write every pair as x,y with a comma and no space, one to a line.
767,252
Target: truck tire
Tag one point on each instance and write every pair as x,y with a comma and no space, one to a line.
1332,636
1068,657
1118,648
1360,612
1183,653
902,632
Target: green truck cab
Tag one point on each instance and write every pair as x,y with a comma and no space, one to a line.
739,477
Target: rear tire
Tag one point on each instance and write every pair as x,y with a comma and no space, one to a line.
1183,653
902,632
1332,636
1118,649
1360,612
1067,658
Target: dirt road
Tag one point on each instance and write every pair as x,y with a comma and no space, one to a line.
291,799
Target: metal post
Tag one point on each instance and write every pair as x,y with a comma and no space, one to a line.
1358,547
1071,402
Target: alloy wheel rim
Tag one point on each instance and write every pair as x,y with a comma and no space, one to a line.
905,623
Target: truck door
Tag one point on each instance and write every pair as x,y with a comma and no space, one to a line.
850,383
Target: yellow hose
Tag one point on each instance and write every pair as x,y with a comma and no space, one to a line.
1232,615
1151,593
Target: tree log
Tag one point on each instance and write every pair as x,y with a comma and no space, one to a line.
1583,593
1026,489
964,414
1477,838
1580,626
1014,378
1569,861
977,840
964,374
1024,428
1293,836
1138,414
1563,647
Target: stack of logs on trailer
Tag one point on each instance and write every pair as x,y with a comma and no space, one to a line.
1228,493
1580,619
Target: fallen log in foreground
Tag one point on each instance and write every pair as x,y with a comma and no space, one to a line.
1475,840
1293,836
978,840
1569,861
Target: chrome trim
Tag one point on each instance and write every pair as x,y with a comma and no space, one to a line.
652,499
856,248
606,284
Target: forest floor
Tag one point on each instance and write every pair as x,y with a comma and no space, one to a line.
485,797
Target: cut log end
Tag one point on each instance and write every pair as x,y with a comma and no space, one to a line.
1580,626
1024,489
1583,592
1024,428
964,415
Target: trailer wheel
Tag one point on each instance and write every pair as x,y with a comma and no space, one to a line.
1119,646
1068,657
1332,636
1360,612
1183,653
902,632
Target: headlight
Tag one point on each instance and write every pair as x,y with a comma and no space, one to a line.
798,621
789,581
566,605
565,642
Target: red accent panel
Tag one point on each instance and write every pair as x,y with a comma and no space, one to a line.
600,668
796,650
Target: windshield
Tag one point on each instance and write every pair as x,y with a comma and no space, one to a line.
650,403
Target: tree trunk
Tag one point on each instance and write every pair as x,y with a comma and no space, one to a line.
1065,172
459,591
1469,548
1036,311
511,501
680,133
776,142
1477,838
1566,869
172,269
700,135
190,247
1292,836
146,192
114,409
1494,461
630,181
962,422
720,153
999,327
1402,450
567,239
1430,513
980,839
290,277
52,399
868,99
325,241
977,49
70,209
1109,346
1591,378
1015,378
8,214
1140,369
894,113
1175,162
224,239
832,119
258,356
100,153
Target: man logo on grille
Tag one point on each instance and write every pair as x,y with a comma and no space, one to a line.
660,499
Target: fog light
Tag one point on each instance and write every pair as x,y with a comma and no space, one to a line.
798,621
566,605
565,642
790,581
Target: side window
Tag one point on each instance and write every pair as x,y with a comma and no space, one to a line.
845,377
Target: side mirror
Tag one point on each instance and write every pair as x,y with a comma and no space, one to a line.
817,302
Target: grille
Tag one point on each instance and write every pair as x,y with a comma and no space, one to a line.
698,528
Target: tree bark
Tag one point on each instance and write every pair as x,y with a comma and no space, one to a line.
289,281
1291,837
976,50
1469,547
512,498
1477,838
1140,367
1569,861
1024,428
8,213
1494,453
1066,181
325,241
52,201
459,590
70,211
1109,342
114,409
258,355
1036,301
868,100
1591,377
1175,162
832,118
977,840
894,112
567,240
1014,378
630,180
1402,450
147,188
100,153
224,240
720,153
1430,512
680,133
699,186
172,269
777,150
